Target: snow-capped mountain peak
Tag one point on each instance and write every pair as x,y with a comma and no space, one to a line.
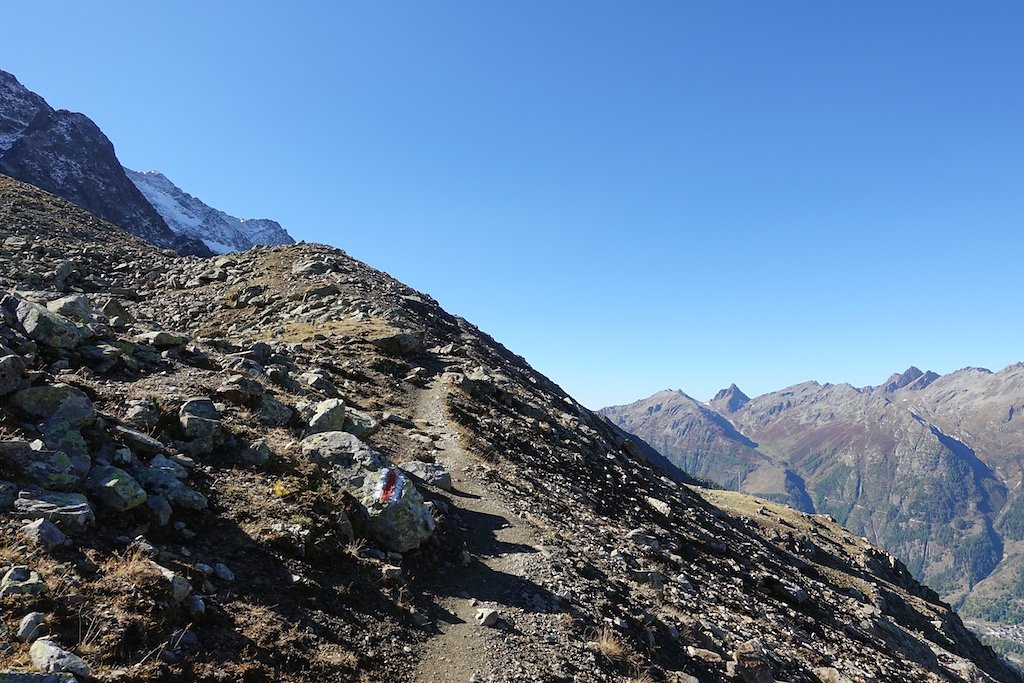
188,215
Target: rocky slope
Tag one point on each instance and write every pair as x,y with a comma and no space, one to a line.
198,466
187,215
929,467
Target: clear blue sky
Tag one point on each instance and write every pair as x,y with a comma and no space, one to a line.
633,196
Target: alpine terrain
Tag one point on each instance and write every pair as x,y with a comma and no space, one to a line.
284,465
927,466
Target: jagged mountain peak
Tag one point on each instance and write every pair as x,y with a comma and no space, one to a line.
18,107
189,216
912,379
729,400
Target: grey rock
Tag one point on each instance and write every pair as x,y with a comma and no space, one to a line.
222,572
74,307
115,488
49,657
328,416
8,494
395,514
360,423
195,605
179,586
485,616
138,441
403,343
38,466
40,324
69,511
20,580
159,509
172,467
60,401
12,373
162,482
31,626
43,532
163,339
320,382
199,407
432,473
274,413
258,453
21,677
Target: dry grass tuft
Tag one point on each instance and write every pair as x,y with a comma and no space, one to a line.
608,644
133,567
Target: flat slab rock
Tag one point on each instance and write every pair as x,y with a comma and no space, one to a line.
70,511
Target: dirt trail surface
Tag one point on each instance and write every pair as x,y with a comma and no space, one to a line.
501,549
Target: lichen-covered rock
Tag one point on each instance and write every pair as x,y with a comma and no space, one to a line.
359,423
75,307
115,488
55,401
33,464
40,324
273,413
163,339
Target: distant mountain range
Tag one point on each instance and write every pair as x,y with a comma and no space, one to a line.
930,467
66,154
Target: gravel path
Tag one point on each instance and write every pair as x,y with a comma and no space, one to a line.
502,547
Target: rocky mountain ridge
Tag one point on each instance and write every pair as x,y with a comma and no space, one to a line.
198,463
66,153
926,466
187,215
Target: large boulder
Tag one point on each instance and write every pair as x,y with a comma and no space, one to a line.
402,343
115,488
36,465
75,307
395,514
328,416
61,401
40,324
